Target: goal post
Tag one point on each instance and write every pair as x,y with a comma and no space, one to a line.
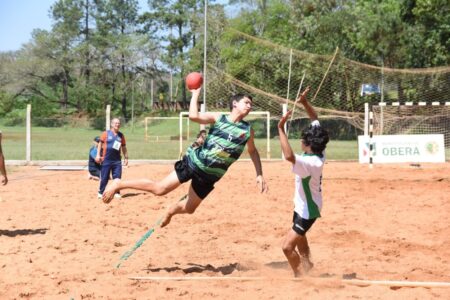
410,118
162,135
254,115
405,126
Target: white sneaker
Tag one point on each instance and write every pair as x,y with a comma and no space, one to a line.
117,196
99,196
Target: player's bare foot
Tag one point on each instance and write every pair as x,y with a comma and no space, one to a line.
166,220
307,265
108,194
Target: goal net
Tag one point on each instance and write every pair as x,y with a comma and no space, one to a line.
410,118
273,73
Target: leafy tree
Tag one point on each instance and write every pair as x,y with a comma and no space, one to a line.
176,21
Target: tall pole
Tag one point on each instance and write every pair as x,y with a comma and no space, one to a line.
132,106
108,117
205,14
151,94
289,76
382,97
204,54
28,135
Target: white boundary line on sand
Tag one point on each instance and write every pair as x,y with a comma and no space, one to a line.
357,282
428,284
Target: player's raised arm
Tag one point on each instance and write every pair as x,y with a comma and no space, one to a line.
195,115
309,109
284,142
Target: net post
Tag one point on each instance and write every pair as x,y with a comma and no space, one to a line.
108,116
285,109
268,134
366,119
289,76
181,132
370,139
28,143
202,110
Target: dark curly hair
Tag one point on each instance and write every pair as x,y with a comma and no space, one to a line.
316,137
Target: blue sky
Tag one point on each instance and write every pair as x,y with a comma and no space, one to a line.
18,18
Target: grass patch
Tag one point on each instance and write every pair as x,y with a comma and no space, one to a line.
73,144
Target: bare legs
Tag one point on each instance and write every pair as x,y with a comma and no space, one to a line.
185,206
169,183
291,242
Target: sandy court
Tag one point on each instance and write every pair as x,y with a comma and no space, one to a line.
57,241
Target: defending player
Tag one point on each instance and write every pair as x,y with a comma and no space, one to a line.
308,179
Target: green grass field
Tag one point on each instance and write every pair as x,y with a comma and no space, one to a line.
74,143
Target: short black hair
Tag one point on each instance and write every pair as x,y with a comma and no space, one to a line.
201,132
237,98
316,137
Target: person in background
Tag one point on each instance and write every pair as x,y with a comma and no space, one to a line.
201,137
94,167
3,176
307,168
112,142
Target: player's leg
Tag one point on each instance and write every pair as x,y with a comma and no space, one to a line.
104,178
96,173
296,238
186,206
116,174
162,187
303,250
293,257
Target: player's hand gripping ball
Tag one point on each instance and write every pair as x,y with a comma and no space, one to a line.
194,80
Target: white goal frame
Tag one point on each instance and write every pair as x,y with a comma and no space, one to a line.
368,110
157,139
263,113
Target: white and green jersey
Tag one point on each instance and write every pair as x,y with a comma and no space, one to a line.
308,181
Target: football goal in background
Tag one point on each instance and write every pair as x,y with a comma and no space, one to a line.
167,130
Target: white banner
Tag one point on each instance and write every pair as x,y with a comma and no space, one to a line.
403,148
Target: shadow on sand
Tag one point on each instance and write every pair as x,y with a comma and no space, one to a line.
196,268
13,233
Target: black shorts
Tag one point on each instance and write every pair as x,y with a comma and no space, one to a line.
201,185
301,226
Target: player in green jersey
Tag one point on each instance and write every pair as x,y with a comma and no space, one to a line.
205,165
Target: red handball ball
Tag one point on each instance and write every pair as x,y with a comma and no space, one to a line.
194,80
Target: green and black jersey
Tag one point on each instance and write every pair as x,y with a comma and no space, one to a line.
223,146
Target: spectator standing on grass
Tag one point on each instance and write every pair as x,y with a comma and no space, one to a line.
308,180
3,176
112,142
94,168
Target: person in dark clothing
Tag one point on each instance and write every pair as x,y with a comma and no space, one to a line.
94,167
